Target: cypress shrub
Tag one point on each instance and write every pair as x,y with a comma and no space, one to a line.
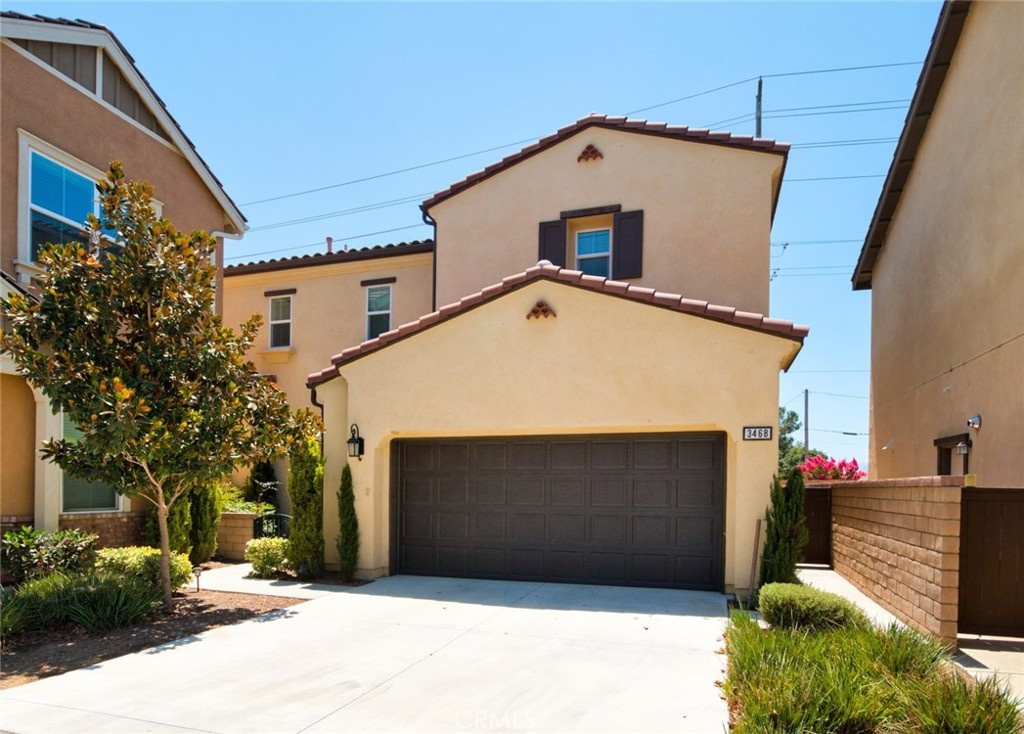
348,527
263,485
306,491
179,526
786,533
206,506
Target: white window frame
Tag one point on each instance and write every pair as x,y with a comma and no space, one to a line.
271,321
27,145
370,313
121,503
576,247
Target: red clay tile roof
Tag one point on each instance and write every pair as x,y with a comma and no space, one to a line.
933,73
323,258
661,129
544,270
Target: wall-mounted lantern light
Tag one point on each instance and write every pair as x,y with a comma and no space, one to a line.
963,448
355,443
974,422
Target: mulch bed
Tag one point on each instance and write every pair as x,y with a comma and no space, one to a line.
36,655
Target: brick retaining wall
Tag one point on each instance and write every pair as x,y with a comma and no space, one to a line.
116,529
15,522
234,531
898,541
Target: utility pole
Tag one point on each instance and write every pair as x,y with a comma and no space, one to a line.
806,428
757,109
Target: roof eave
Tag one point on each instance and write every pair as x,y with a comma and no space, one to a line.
929,85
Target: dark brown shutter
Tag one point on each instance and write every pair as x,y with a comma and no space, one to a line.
628,245
552,242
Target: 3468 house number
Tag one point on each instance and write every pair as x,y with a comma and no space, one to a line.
757,433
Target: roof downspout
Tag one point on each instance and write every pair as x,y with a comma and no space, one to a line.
433,276
318,404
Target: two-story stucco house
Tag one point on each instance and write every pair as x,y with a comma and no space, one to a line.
944,260
571,381
73,101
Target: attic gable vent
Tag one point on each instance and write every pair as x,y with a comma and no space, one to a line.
590,153
541,310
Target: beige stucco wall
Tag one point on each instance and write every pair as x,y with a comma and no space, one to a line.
602,365
328,312
947,303
17,446
707,215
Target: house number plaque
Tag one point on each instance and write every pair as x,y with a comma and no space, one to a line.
757,433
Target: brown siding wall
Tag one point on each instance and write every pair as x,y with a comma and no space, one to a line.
234,531
116,529
898,541
42,104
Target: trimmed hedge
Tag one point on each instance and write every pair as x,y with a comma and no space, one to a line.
142,564
268,556
794,606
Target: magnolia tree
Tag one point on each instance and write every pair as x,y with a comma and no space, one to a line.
125,341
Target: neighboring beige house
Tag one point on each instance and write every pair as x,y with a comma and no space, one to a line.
73,101
944,260
576,423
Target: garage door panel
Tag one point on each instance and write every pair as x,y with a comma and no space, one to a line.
490,491
567,529
491,456
611,455
653,493
453,490
594,509
608,493
452,526
569,455
568,492
652,531
528,492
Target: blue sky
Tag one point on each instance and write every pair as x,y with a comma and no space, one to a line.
284,98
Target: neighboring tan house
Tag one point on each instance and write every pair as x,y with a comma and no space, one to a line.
576,423
312,303
72,102
944,260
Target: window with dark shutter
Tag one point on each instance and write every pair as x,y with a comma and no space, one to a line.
628,251
552,242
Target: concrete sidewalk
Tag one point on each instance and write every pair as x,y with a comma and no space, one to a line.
235,579
982,657
413,654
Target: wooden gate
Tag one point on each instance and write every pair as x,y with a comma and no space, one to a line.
818,515
992,562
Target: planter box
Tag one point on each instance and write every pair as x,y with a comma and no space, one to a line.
234,531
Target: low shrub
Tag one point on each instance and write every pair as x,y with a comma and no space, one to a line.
29,553
853,679
794,606
101,603
142,564
92,601
268,556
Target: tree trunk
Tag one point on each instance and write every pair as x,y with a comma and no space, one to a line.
165,550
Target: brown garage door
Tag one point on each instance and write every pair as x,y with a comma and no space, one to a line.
636,510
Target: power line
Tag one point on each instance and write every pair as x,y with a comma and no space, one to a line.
803,243
342,212
832,430
532,139
836,106
843,143
821,111
339,239
836,178
792,372
839,395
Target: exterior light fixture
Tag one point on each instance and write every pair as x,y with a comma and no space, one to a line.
962,448
974,422
355,443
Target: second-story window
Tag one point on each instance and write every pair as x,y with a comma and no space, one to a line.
378,310
280,322
593,252
60,200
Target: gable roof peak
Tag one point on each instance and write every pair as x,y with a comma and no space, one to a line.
545,270
619,122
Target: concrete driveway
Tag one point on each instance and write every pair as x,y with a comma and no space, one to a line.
415,654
